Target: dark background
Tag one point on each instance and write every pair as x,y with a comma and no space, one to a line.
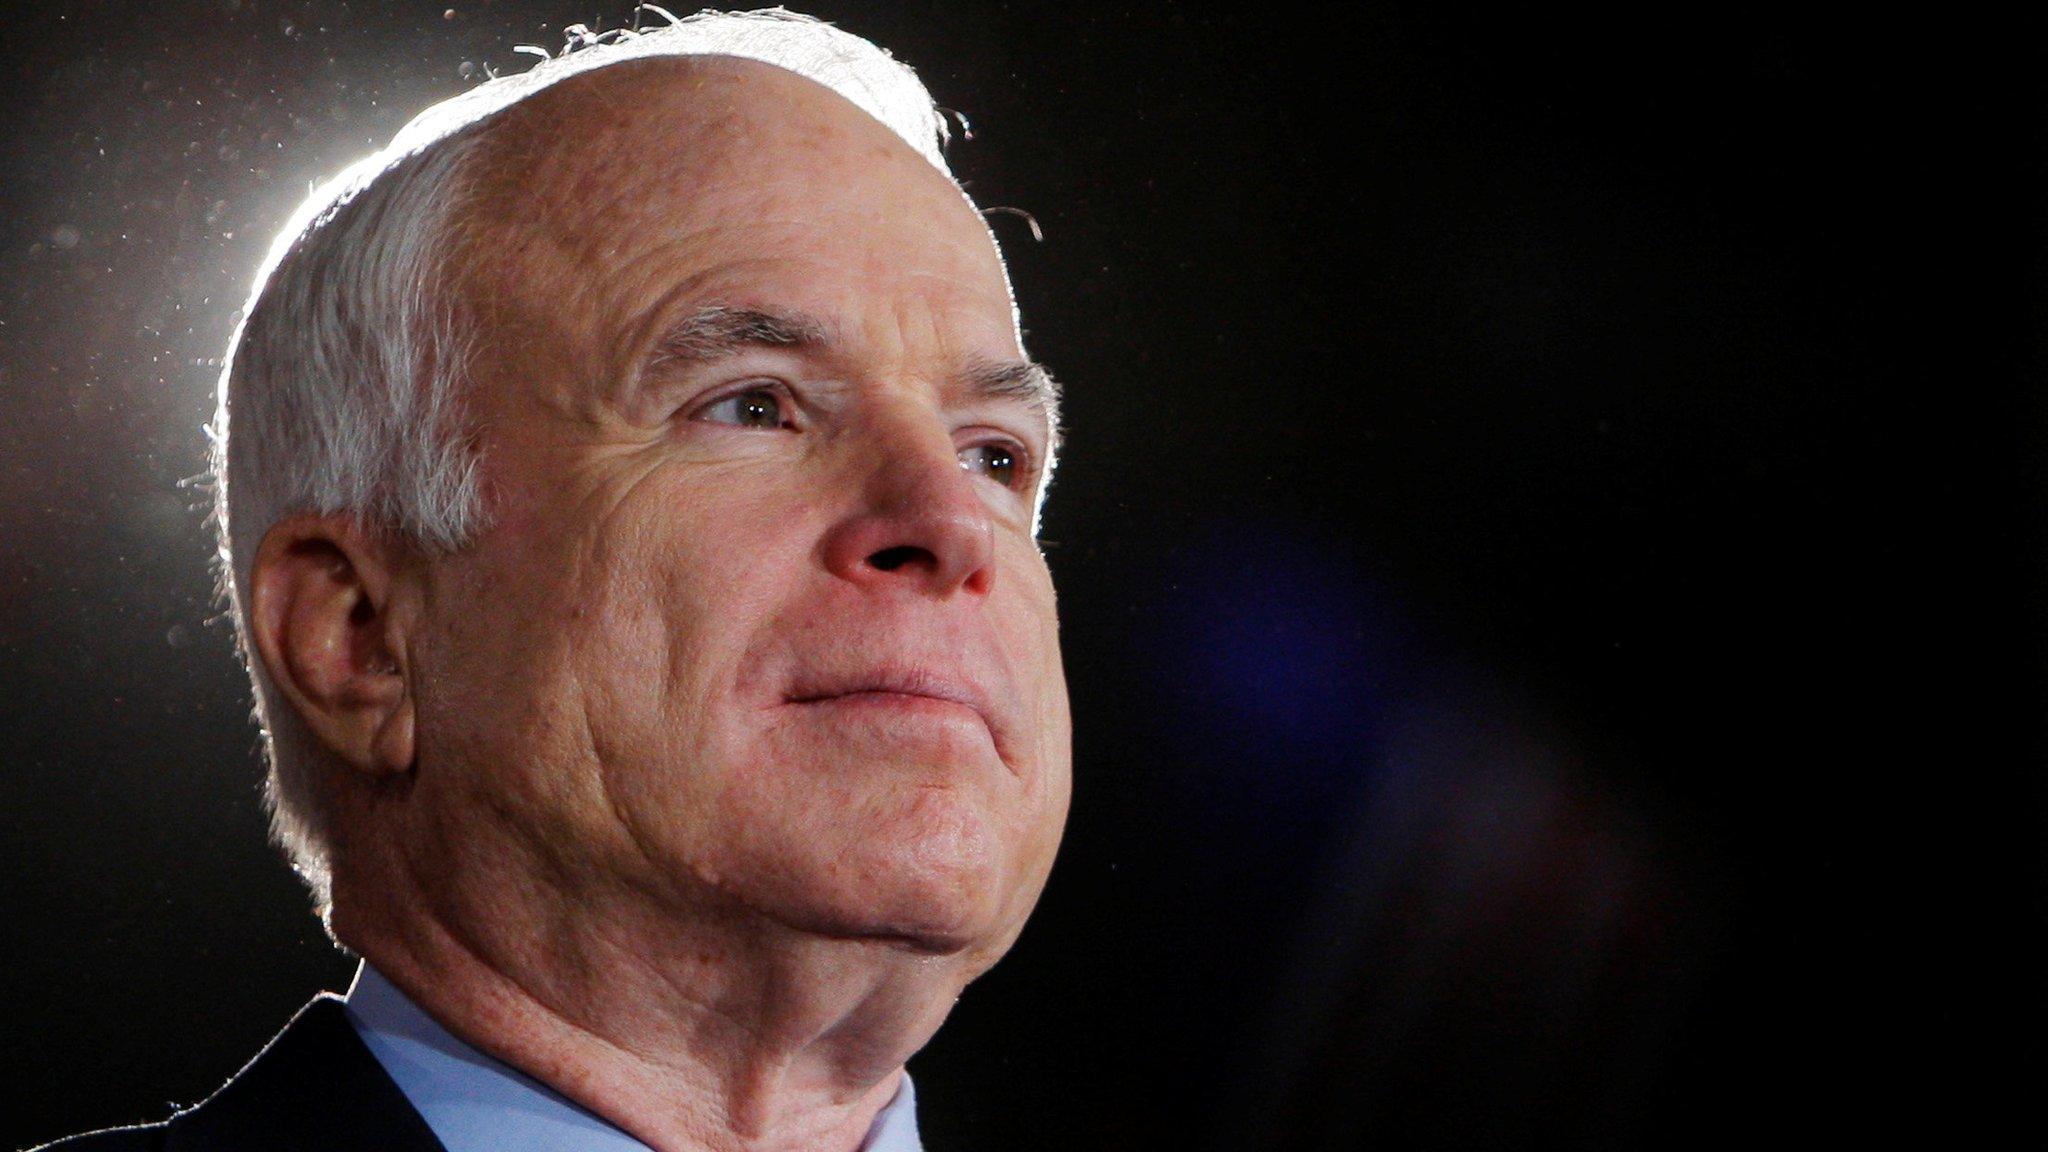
1550,551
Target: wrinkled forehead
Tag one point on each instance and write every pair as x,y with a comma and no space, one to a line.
609,182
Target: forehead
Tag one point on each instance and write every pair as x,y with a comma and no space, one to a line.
611,186
690,123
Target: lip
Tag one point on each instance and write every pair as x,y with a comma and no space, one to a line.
891,686
893,681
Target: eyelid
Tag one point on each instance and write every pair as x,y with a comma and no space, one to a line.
785,401
1025,477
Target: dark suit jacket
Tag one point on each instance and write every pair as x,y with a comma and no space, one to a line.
314,1088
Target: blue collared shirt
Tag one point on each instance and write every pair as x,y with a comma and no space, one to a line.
476,1104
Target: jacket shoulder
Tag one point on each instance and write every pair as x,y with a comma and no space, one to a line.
147,1138
314,1088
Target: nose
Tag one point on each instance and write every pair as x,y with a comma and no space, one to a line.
918,525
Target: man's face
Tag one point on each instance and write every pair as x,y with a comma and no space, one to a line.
760,625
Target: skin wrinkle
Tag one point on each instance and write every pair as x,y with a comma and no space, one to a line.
449,931
627,864
598,754
571,939
719,332
619,499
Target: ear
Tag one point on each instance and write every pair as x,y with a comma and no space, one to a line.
323,621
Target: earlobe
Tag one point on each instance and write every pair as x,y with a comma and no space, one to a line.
321,619
392,750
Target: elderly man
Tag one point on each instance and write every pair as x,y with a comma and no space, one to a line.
629,486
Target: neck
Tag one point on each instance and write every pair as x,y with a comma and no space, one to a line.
713,1031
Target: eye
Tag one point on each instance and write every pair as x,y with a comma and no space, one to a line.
999,462
758,407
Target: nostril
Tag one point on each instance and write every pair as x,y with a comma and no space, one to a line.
890,559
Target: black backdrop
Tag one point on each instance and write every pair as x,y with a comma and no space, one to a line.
1549,551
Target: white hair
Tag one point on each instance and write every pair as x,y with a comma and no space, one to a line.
343,386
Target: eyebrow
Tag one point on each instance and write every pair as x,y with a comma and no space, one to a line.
717,332
1020,381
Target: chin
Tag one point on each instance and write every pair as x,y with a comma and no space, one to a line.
937,922
949,890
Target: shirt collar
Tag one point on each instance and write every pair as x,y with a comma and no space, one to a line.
477,1104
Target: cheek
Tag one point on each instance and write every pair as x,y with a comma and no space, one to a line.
502,750
1029,625
1052,787
679,603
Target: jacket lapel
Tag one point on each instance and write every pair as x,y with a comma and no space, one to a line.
315,1088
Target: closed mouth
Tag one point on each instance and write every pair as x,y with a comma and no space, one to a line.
879,692
887,687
